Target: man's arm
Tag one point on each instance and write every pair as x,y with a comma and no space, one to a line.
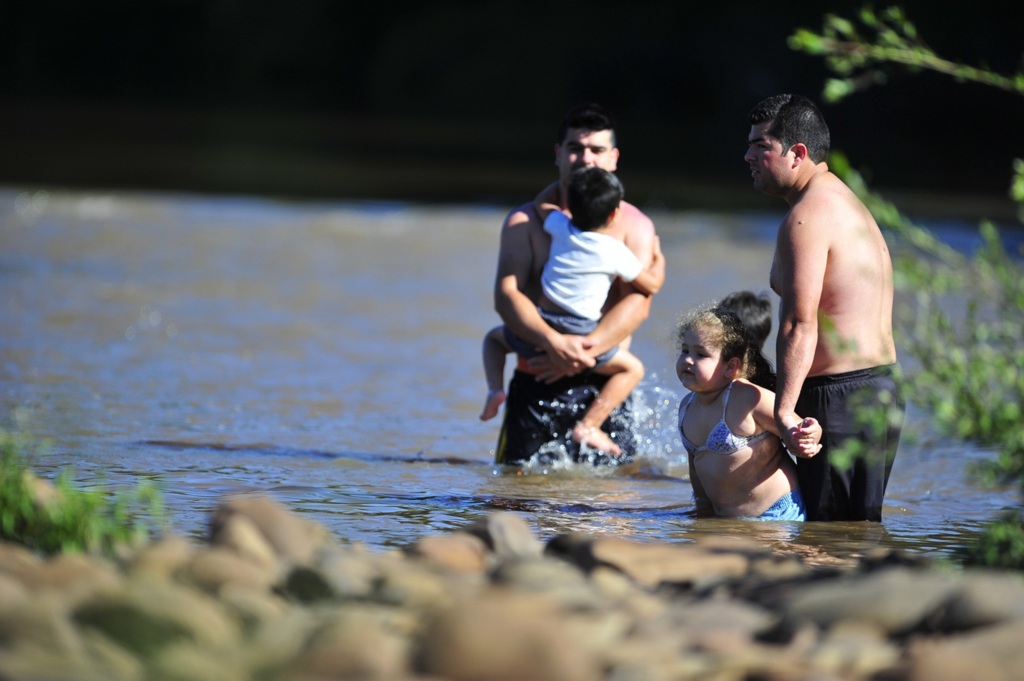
651,279
806,434
801,257
627,307
512,295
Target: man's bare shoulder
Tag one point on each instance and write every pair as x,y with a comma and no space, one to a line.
635,229
522,215
816,214
634,220
831,213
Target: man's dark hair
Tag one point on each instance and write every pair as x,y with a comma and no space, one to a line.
794,119
593,195
587,116
754,310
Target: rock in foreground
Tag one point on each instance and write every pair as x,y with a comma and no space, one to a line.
273,596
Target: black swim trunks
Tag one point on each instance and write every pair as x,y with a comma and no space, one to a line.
861,415
537,413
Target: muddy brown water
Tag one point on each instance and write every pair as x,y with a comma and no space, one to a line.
328,354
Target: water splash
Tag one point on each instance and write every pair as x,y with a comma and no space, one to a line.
649,421
652,422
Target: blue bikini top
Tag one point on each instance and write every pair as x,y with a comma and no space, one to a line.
721,440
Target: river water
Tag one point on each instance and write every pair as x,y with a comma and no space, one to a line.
328,354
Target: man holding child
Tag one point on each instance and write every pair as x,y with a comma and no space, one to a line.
548,393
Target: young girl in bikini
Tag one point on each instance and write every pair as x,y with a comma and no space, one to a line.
738,466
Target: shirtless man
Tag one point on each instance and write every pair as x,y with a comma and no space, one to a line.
547,394
835,352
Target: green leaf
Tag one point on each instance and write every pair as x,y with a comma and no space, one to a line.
836,89
807,41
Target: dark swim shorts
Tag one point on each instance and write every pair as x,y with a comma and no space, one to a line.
861,415
537,413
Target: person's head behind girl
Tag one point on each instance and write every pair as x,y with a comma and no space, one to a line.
593,197
754,310
716,349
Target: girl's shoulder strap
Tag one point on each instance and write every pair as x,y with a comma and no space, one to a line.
725,397
684,404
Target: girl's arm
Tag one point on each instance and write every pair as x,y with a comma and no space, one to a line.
806,433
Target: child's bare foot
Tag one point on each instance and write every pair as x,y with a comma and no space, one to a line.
594,437
491,404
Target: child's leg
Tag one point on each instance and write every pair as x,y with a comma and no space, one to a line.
626,371
495,349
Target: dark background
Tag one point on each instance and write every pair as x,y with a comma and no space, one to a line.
459,101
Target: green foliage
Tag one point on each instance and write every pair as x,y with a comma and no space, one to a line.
960,316
65,518
1000,544
887,38
1017,187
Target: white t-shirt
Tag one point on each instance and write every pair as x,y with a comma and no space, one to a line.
582,265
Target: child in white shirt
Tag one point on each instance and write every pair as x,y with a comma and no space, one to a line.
583,261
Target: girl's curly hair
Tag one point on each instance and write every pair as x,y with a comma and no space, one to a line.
725,331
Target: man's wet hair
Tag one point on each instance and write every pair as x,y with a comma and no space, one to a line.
592,196
587,116
794,119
